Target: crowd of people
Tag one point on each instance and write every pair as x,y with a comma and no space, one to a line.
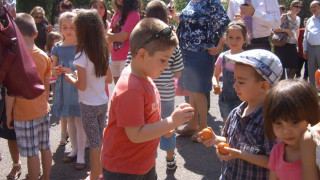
271,115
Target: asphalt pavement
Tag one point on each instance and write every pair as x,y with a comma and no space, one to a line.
194,160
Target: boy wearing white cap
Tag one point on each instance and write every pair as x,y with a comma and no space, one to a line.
255,72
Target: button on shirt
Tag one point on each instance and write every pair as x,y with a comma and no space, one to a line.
312,33
246,134
265,18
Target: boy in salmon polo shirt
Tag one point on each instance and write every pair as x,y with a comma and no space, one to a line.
31,117
135,126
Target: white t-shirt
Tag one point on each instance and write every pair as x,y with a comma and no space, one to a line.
95,93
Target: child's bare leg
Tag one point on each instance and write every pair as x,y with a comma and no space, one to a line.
14,152
33,167
46,160
170,154
95,164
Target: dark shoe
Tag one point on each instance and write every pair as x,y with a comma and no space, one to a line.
79,166
68,159
171,164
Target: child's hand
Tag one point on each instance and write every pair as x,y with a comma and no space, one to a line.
217,89
169,134
110,36
66,70
10,122
233,154
70,78
210,142
57,71
182,114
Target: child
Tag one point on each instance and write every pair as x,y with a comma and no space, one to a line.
288,109
31,117
91,62
236,37
134,116
165,82
66,102
310,147
101,8
52,39
43,26
255,71
123,21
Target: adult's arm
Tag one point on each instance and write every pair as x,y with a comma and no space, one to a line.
271,17
232,9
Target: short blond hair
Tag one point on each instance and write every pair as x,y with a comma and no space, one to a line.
144,30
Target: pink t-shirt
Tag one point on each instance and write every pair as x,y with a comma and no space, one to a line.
284,170
120,50
134,103
229,66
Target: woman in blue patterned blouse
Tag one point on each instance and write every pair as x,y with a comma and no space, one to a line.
202,24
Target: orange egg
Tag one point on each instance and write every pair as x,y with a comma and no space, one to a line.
221,148
317,75
206,133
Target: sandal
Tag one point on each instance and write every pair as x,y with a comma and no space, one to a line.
64,139
16,175
195,137
79,166
185,131
68,159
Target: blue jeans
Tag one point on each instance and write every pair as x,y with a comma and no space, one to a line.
167,144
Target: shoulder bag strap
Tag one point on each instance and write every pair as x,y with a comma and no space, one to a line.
7,57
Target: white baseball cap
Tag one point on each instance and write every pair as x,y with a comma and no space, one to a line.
267,64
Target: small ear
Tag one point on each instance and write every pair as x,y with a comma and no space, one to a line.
265,86
141,54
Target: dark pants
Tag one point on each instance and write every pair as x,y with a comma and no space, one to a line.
258,43
151,175
300,65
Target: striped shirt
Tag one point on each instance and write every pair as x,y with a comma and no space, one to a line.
165,82
245,134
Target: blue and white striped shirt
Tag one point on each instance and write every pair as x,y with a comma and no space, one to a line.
165,82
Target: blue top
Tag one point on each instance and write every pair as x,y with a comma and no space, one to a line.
202,24
66,98
246,134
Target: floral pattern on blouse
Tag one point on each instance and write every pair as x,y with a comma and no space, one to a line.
202,24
